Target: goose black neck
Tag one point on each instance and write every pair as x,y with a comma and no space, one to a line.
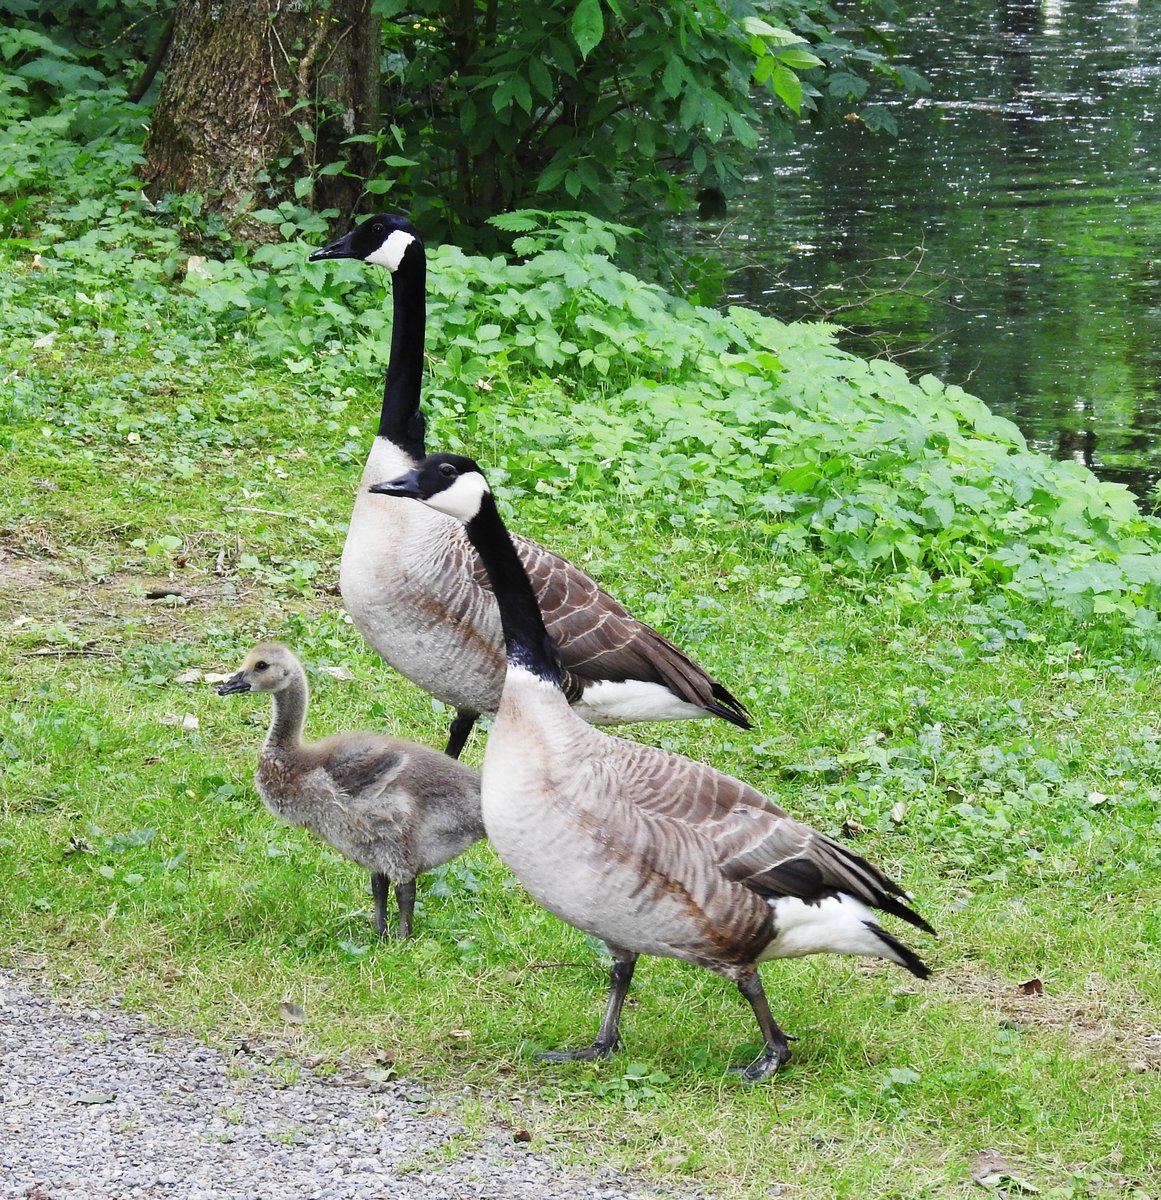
401,421
527,642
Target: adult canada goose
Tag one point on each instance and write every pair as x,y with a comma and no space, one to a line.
416,591
649,851
392,806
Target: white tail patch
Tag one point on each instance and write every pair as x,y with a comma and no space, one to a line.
390,253
611,702
834,925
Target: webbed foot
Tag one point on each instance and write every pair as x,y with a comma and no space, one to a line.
591,1053
767,1063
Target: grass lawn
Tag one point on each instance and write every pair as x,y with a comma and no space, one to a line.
162,510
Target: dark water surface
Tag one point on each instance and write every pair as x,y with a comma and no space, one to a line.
1028,183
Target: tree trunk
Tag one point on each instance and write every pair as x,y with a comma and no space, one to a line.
258,95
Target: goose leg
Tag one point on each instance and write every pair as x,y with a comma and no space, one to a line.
405,898
777,1048
609,1034
380,889
461,728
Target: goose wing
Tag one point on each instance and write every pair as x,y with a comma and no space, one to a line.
754,841
361,769
597,638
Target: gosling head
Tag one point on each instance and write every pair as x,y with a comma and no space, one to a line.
387,240
449,483
269,667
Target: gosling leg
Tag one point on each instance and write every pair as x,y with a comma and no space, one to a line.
380,889
777,1049
460,730
609,1034
405,898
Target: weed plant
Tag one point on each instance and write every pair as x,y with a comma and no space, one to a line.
948,642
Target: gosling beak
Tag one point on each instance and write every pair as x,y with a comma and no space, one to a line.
236,683
339,249
405,485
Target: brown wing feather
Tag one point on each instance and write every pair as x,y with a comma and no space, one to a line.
755,842
597,638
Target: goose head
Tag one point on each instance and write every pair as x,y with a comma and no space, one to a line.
386,239
269,667
449,483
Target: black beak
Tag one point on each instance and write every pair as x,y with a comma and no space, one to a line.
405,485
236,683
339,249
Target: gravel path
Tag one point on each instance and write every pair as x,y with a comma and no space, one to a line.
96,1105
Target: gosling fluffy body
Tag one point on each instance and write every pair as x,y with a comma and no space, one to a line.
392,806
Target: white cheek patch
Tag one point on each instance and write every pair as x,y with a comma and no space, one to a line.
462,499
390,254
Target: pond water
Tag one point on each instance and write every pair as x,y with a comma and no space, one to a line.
1008,240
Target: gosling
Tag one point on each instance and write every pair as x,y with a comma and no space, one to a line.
392,806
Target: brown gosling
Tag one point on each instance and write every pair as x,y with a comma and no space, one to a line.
392,806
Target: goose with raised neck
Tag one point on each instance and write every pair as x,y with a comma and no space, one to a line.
416,591
651,852
393,806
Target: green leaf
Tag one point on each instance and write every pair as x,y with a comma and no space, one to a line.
771,33
539,77
588,26
800,59
788,88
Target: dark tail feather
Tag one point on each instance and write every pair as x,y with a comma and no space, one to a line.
729,708
907,957
881,891
898,909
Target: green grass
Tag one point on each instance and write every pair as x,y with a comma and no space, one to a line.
1003,763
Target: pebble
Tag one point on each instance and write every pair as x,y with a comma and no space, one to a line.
97,1105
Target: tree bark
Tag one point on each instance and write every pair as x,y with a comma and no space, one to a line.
244,79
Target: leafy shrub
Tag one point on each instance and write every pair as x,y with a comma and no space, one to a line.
562,371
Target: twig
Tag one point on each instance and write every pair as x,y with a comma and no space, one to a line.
266,512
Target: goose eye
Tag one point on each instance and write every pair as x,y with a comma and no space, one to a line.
261,666
447,470
378,228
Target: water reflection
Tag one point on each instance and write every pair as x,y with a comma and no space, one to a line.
1008,240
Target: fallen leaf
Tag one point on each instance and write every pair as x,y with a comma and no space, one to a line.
343,673
1096,798
1031,987
853,828
96,1097
191,676
214,677
187,721
899,813
460,1034
991,1170
522,1135
379,1074
43,343
196,265
293,1013
37,264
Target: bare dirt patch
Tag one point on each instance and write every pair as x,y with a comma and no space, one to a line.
1097,1016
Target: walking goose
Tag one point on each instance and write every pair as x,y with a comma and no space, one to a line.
651,852
392,806
417,593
